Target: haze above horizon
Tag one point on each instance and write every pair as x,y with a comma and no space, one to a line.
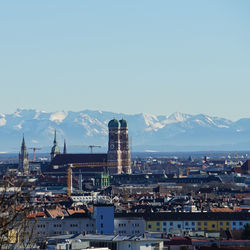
126,56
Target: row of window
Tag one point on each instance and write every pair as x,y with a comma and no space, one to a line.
205,223
205,228
221,223
122,232
41,226
133,225
87,225
172,223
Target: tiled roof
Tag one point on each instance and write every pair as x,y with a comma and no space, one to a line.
73,211
218,209
54,213
35,215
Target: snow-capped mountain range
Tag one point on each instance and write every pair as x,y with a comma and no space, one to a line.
176,132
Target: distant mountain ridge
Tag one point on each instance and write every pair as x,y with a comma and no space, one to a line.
176,132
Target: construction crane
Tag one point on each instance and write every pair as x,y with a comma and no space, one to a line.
34,152
86,146
93,146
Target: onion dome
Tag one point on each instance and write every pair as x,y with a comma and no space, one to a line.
114,124
123,123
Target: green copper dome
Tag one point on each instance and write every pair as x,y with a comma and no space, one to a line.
123,123
114,124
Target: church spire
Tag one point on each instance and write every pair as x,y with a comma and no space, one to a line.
23,165
55,141
64,147
55,149
23,147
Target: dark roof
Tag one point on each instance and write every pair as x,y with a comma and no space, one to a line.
63,159
179,241
78,215
197,216
129,215
246,165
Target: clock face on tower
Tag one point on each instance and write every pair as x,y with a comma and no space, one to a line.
112,146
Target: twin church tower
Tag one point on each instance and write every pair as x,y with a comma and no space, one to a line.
118,156
118,147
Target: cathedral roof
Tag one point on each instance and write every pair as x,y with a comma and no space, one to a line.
62,159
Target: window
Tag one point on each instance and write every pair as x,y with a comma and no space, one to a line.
234,223
199,223
101,217
221,223
241,223
101,225
213,226
158,229
149,226
193,223
164,223
205,223
227,223
186,223
158,223
171,223
179,226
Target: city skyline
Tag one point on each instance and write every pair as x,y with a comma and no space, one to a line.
130,57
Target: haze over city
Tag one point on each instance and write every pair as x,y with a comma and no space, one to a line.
126,56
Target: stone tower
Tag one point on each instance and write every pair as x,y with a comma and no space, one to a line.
124,147
114,153
118,147
55,149
23,165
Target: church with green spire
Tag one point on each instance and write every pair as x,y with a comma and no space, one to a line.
55,149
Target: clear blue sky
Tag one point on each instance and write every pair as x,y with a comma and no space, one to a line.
126,56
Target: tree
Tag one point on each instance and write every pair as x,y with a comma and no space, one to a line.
15,206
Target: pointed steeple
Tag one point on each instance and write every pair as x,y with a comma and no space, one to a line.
55,149
55,141
23,165
23,147
64,147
